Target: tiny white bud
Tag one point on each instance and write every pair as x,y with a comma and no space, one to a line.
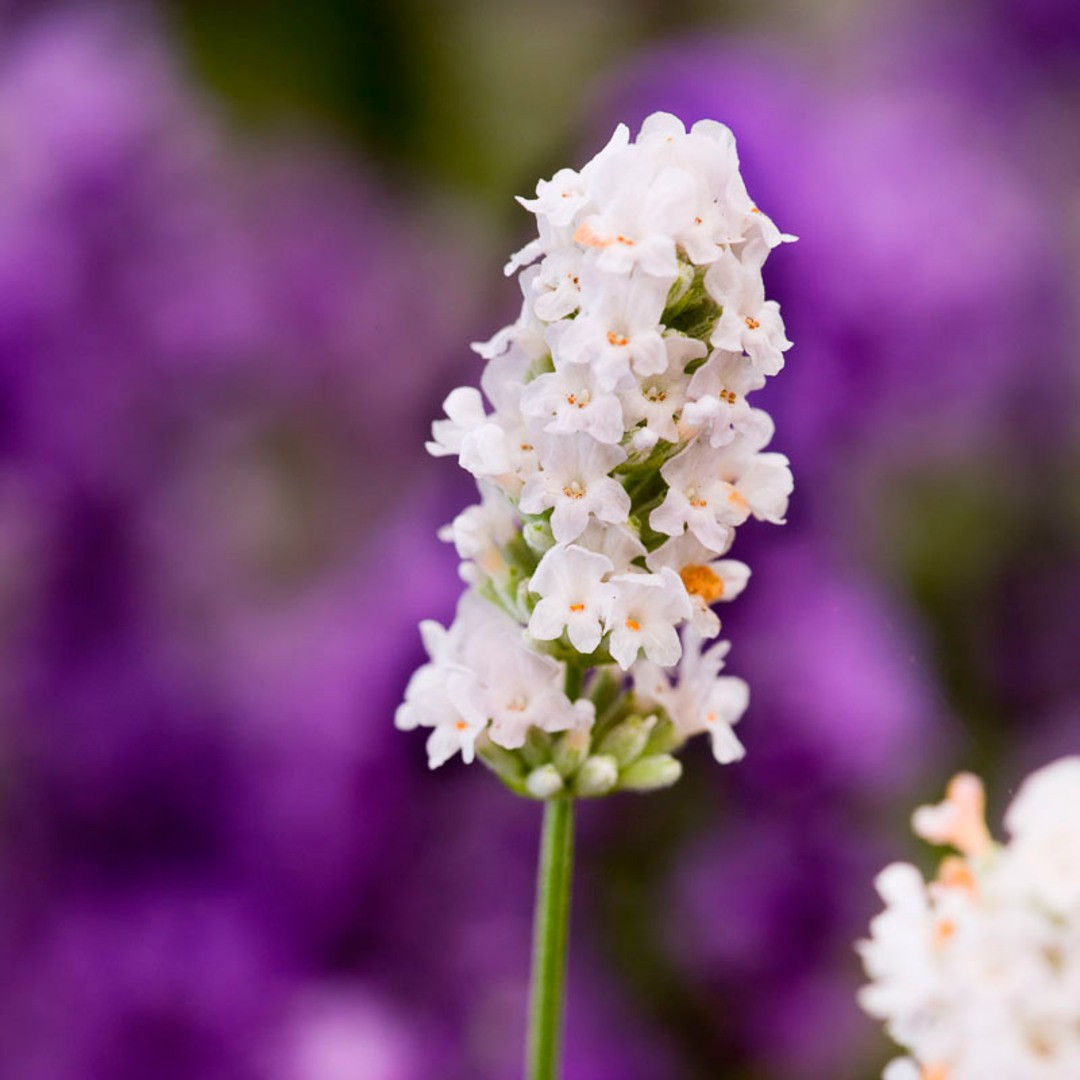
570,751
644,439
538,536
597,776
544,782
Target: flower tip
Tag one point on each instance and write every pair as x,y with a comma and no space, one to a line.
544,782
651,773
597,776
959,821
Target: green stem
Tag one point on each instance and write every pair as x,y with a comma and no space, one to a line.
551,929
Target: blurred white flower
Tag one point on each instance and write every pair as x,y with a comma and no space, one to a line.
977,973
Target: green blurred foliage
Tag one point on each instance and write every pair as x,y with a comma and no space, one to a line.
470,95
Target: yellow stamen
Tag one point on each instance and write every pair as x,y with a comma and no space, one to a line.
703,582
954,873
735,497
944,932
584,235
577,607
617,339
752,323
633,624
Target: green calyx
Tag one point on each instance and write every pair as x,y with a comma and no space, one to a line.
690,309
622,751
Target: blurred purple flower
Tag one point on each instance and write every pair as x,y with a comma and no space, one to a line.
145,274
842,698
322,805
346,1030
1052,26
106,161
761,920
169,981
213,377
459,938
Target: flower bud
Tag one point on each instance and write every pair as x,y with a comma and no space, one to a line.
597,776
537,748
570,751
538,536
544,782
626,741
651,773
665,738
604,690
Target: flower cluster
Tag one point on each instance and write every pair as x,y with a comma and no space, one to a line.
977,973
619,457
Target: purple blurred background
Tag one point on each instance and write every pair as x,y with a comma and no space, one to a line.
242,252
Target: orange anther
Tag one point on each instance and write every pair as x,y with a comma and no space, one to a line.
703,582
735,497
944,931
954,873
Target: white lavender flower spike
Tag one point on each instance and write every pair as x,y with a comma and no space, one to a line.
977,973
616,457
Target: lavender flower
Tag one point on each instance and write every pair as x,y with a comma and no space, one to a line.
602,495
